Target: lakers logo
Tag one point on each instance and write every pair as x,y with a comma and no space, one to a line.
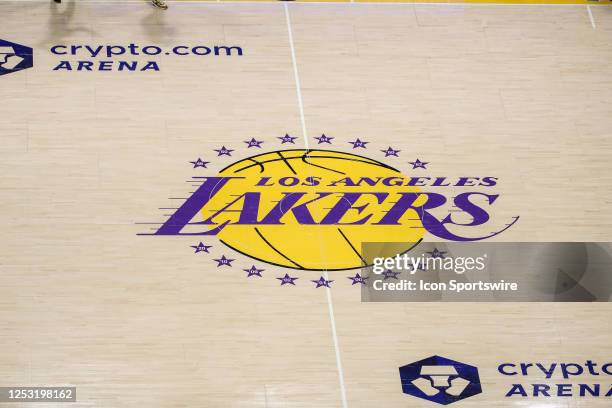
313,209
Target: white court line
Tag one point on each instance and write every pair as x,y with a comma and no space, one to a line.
330,305
298,85
591,16
332,319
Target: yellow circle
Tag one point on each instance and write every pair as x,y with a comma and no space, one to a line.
312,246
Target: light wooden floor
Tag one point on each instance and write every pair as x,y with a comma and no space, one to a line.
520,92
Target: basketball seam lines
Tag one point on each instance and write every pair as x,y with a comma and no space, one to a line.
276,250
261,166
352,246
321,167
286,162
312,157
367,160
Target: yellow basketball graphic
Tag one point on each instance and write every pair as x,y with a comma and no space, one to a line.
309,184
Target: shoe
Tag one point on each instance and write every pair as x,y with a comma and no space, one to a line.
57,1
160,4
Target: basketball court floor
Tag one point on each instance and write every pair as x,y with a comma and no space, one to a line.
92,158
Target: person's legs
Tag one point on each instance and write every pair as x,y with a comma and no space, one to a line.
160,4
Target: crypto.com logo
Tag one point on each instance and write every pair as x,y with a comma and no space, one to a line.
14,57
438,379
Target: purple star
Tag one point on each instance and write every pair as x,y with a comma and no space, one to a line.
322,282
223,151
437,254
253,271
287,280
324,139
201,248
391,152
359,143
388,274
358,279
199,163
417,164
223,261
253,143
287,139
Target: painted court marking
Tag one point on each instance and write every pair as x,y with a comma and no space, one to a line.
298,85
330,305
591,17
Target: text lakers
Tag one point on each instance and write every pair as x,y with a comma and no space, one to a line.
372,201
